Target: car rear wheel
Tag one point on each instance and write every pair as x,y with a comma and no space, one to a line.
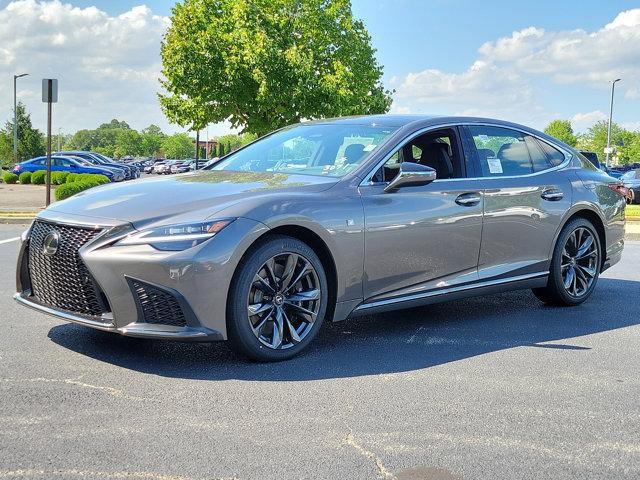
277,300
575,265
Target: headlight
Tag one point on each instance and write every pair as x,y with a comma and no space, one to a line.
176,237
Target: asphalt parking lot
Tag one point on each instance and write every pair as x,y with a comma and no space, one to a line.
489,388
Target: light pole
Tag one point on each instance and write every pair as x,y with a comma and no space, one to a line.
608,152
15,117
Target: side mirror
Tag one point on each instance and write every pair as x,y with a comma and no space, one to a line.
411,175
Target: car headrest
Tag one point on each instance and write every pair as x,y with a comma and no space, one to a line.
354,152
436,156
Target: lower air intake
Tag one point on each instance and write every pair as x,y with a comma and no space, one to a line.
156,305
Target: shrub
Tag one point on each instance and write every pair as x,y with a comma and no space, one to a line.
71,177
39,177
9,178
58,178
82,182
62,178
25,178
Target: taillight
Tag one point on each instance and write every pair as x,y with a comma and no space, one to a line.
620,189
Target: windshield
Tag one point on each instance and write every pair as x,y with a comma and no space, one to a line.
328,150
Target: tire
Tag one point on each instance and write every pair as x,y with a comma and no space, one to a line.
574,269
267,320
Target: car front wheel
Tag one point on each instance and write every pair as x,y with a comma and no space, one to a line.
575,265
277,300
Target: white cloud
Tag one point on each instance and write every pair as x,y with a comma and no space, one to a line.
505,80
107,66
582,121
634,126
633,93
484,89
576,55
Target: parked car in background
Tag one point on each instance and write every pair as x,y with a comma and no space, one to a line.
375,213
160,167
165,167
182,167
64,163
100,161
631,180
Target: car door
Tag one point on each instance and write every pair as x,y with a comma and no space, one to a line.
421,238
526,195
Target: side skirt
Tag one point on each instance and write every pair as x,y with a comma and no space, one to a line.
489,287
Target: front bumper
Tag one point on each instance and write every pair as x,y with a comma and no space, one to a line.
143,330
198,277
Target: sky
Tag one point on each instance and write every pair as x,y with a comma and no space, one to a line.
528,62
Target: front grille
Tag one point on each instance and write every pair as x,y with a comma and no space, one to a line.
61,279
156,305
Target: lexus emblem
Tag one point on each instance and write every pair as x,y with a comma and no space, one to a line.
51,243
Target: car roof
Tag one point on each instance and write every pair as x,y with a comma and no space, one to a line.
424,121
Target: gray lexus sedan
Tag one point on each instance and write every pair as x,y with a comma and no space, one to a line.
325,220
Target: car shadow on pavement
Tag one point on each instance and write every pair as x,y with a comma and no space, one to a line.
387,343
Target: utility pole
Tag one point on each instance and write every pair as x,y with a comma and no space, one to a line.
15,116
206,148
608,149
197,147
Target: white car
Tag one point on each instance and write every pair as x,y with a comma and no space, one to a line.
159,167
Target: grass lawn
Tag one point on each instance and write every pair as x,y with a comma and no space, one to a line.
633,211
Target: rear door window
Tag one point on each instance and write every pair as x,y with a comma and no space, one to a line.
504,152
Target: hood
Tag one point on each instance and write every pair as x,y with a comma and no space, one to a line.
204,193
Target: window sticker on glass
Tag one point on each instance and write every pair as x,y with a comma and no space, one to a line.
369,147
495,165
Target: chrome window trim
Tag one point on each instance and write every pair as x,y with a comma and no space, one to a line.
568,156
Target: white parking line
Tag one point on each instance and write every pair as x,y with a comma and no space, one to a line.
9,240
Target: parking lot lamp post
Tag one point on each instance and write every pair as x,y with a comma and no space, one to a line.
608,152
15,116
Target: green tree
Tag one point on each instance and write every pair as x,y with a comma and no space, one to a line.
178,145
128,142
30,140
115,123
562,130
151,141
595,138
263,64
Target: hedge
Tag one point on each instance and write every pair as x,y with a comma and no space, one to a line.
80,182
39,177
25,178
58,178
9,177
71,177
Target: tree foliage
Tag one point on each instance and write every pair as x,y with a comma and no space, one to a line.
30,140
263,64
626,143
562,130
178,146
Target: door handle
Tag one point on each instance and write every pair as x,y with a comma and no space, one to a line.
468,199
552,195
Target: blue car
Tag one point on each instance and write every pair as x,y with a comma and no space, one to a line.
69,164
100,160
